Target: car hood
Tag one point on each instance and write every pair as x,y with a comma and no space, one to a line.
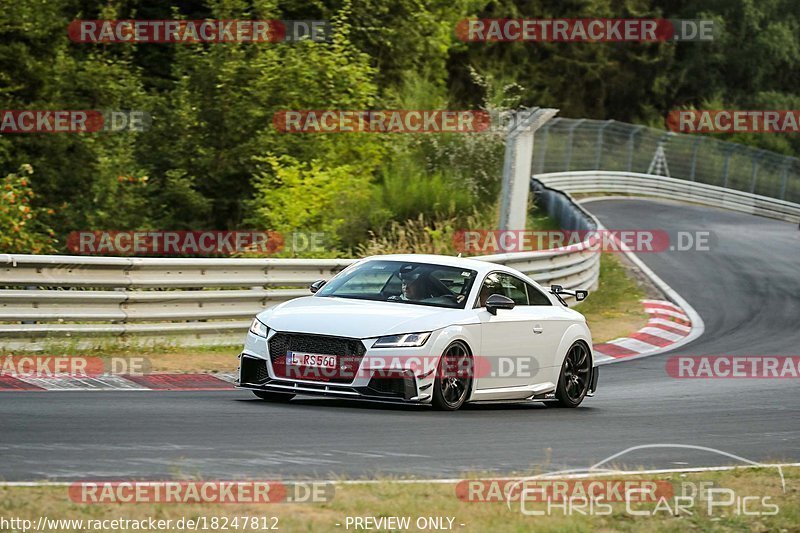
361,319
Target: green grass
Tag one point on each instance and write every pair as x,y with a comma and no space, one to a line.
162,357
390,498
538,220
113,347
614,309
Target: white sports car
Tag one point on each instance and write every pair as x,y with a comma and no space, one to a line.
423,329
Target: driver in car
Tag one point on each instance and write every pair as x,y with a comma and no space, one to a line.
413,287
418,287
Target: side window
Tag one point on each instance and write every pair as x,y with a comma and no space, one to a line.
497,283
537,297
456,284
515,289
491,285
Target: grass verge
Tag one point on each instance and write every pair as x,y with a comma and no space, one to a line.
760,488
614,309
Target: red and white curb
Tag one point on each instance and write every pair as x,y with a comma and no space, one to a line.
668,326
162,382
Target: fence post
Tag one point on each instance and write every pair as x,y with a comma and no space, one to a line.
568,155
728,154
631,138
784,177
754,174
598,156
695,147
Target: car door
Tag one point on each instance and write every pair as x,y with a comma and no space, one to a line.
516,343
552,321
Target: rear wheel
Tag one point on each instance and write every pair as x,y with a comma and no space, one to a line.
573,383
278,397
453,378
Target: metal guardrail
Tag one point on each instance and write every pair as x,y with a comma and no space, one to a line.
568,145
671,188
82,300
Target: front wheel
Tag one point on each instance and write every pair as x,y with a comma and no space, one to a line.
573,383
278,397
453,378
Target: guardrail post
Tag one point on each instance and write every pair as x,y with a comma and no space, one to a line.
517,167
568,154
30,288
631,139
598,155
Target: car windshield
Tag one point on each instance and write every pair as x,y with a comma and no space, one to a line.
403,282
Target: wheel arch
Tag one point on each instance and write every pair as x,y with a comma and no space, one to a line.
574,333
468,334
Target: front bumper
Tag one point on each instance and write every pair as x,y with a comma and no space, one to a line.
337,391
394,386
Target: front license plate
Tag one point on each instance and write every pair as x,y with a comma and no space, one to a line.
311,359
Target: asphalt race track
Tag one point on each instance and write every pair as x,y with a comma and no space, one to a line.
747,290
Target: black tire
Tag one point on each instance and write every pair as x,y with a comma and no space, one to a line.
278,397
453,378
576,373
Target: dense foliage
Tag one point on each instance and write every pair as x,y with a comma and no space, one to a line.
213,160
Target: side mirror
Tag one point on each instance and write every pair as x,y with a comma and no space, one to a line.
317,285
498,301
558,290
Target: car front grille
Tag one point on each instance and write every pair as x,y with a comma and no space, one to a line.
349,353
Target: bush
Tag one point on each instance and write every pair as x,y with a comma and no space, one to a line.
21,230
293,195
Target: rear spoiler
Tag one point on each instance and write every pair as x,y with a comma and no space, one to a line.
558,290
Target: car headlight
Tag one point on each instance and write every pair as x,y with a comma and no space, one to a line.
406,340
259,328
